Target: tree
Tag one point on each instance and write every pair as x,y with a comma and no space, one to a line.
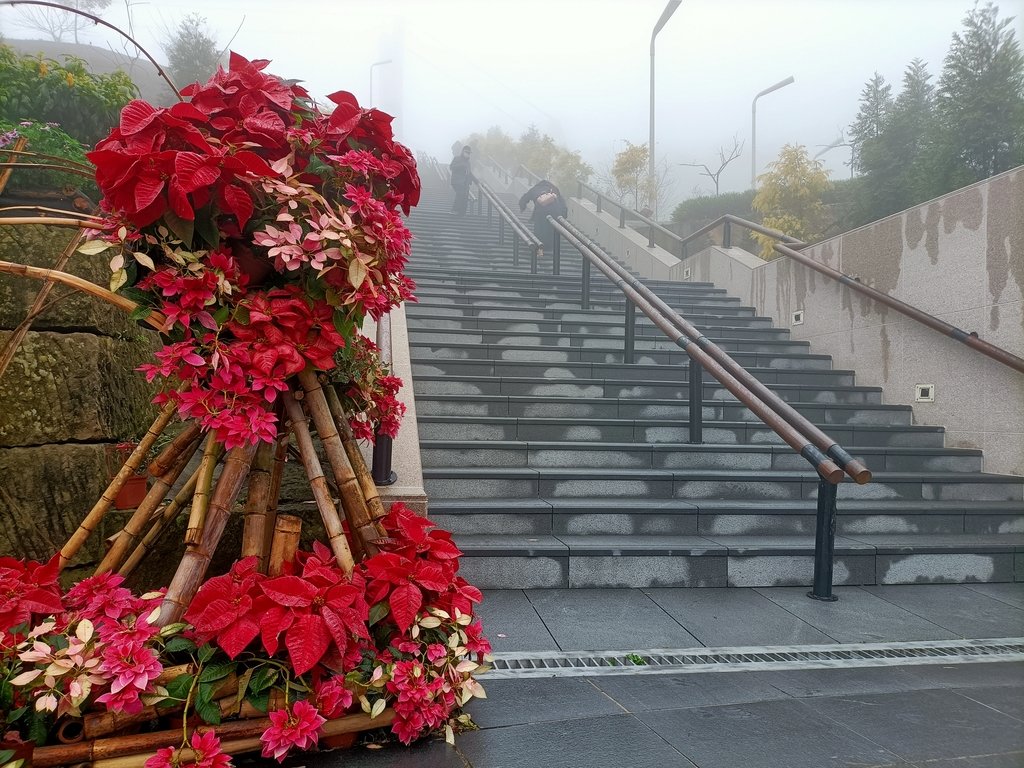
630,183
789,197
57,24
723,161
567,168
980,99
192,54
872,118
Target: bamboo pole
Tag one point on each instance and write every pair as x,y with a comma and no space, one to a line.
17,149
236,737
355,456
163,519
196,559
165,458
332,523
49,221
201,499
132,530
256,503
100,508
356,510
280,453
154,318
287,530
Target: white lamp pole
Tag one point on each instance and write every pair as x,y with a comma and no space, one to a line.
665,15
753,127
376,64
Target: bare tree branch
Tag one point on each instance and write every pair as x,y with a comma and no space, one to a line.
735,151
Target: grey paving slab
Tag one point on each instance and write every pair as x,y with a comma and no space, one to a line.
963,611
1005,699
616,741
735,617
921,725
607,619
511,622
805,683
1013,594
985,674
857,616
432,752
519,702
1006,760
768,734
646,693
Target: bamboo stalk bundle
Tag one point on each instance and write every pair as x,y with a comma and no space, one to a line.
352,499
196,559
201,499
355,456
132,530
332,523
276,475
101,507
133,751
166,457
257,503
287,530
15,339
97,724
163,519
19,147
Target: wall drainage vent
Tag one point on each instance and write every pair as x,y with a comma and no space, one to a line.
781,657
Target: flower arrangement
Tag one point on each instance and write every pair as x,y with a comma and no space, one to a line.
263,231
396,640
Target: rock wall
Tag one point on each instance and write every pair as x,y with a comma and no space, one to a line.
69,395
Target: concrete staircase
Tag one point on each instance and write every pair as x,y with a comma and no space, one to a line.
556,464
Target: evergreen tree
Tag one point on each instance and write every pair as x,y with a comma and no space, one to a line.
873,117
192,54
980,100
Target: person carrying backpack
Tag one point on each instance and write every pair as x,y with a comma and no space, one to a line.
547,201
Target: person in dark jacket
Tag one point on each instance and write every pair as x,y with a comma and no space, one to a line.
461,177
547,201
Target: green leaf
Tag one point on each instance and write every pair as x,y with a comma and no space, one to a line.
260,701
209,711
183,229
6,755
37,730
179,687
243,687
206,653
178,644
138,315
206,226
378,612
262,679
216,671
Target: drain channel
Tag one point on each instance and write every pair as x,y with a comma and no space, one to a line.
779,657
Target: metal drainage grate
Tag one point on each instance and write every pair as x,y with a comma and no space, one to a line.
781,657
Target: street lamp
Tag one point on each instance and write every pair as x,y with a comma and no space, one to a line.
753,127
665,16
376,64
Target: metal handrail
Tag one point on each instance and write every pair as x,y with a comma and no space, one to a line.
381,470
821,441
520,230
793,428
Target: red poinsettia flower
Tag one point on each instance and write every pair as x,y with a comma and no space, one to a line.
28,589
227,609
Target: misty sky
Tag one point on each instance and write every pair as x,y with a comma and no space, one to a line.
578,69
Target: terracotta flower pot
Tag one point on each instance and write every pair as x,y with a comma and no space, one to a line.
132,493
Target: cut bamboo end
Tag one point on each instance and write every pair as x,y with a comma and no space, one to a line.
201,498
287,532
106,500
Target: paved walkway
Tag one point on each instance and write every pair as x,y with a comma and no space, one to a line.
920,716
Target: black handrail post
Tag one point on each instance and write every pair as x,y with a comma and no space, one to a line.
515,250
556,254
629,345
824,542
533,259
726,235
585,285
381,470
501,230
650,235
696,401
622,217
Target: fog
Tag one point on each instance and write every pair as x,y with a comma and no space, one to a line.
579,69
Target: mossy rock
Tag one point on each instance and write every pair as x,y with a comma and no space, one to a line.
39,246
64,387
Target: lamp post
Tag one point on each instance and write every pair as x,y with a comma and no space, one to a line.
665,16
753,127
376,64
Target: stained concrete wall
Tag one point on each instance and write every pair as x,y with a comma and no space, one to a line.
959,257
